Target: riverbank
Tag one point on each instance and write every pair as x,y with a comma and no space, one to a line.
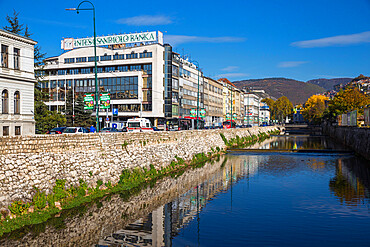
73,173
358,139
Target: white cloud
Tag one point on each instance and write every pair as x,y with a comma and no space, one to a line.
146,20
181,39
340,40
290,64
232,75
230,68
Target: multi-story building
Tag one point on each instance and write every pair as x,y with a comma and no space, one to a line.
252,108
17,82
264,113
213,102
186,80
232,101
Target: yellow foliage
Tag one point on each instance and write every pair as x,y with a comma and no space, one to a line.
314,108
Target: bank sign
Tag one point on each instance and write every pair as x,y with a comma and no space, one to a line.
71,43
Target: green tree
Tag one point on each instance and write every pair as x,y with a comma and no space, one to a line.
45,119
14,25
270,102
282,108
82,118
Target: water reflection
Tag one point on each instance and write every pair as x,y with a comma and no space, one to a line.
298,142
351,184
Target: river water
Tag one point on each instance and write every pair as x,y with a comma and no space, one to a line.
244,199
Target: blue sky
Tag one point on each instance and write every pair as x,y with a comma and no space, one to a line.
235,39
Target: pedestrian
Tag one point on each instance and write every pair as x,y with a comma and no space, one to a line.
92,129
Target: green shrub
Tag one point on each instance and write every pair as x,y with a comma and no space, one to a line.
39,199
19,207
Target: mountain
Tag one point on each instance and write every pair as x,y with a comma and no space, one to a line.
296,91
329,83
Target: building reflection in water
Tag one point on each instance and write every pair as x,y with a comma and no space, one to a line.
351,183
163,224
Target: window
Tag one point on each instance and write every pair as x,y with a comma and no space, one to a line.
80,59
131,56
105,58
128,107
69,60
85,71
91,59
109,69
147,107
122,68
5,101
4,56
147,68
73,71
145,54
62,72
100,70
135,67
17,130
17,54
17,103
5,130
118,57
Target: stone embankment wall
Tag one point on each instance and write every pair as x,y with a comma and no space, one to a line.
356,138
38,161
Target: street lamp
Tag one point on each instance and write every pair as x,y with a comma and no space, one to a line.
194,61
96,66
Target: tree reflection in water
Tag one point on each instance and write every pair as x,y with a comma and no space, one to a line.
351,184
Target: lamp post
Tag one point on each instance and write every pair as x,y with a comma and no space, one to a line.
96,66
197,64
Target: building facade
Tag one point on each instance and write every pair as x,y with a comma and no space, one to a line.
233,102
213,102
17,82
144,79
252,109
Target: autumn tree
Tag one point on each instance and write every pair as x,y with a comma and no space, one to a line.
270,102
347,100
282,108
314,108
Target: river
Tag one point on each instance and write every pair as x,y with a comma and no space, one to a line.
247,198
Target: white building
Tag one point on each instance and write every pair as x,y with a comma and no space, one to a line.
144,77
252,109
17,82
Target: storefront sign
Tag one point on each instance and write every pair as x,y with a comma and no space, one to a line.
104,101
202,112
89,101
71,43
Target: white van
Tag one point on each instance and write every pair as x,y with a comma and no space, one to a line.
139,125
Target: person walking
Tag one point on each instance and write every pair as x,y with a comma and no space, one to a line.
92,129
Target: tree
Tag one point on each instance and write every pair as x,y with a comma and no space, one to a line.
270,103
282,108
82,118
348,100
45,119
314,108
14,25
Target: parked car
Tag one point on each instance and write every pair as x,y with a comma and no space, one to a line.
156,129
75,130
108,130
57,130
